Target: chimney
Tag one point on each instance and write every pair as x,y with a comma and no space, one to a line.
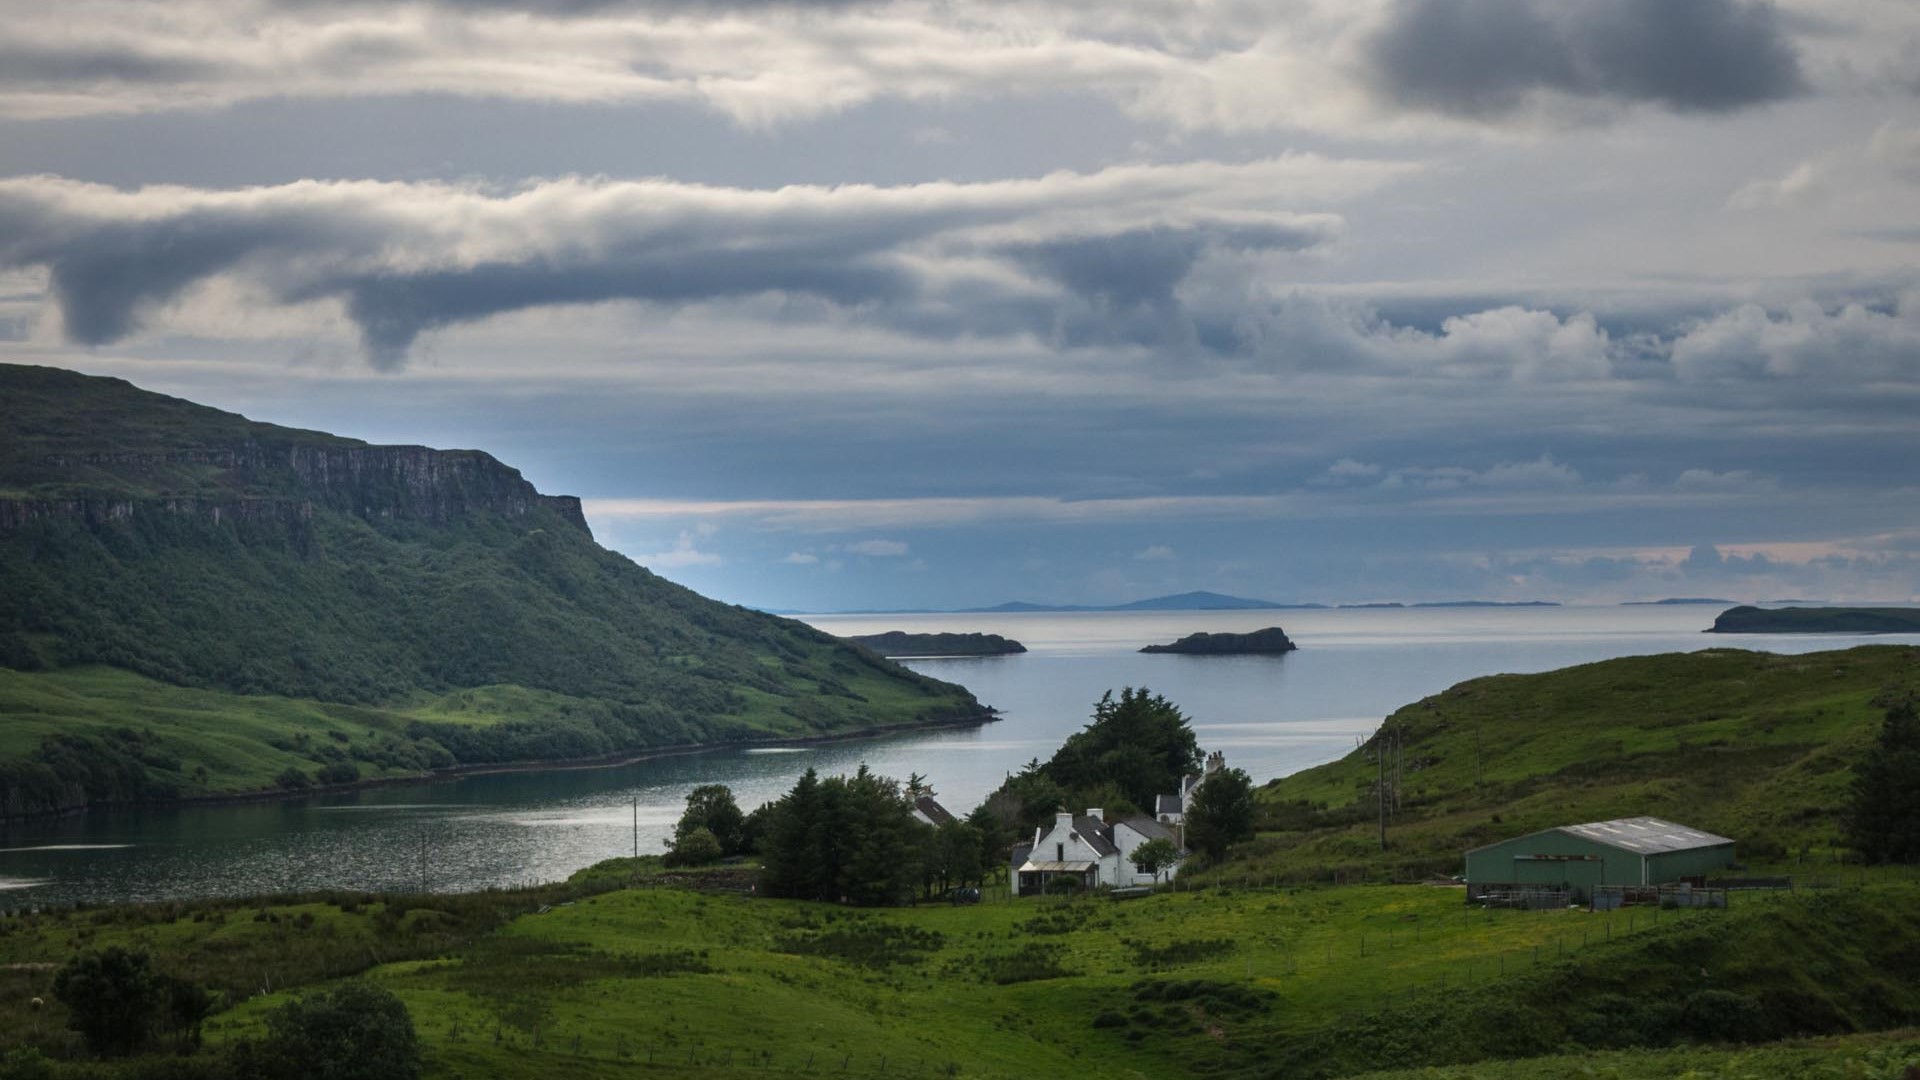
1094,813
1063,820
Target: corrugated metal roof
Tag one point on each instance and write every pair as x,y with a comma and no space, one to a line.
1069,867
1645,835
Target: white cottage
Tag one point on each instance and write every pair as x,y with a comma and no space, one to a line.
1089,849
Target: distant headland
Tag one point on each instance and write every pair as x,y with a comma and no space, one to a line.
1268,642
1817,620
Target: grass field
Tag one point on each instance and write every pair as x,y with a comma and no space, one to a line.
1751,745
659,980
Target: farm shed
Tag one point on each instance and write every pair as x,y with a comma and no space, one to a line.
1629,851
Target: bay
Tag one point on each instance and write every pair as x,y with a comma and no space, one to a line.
1270,715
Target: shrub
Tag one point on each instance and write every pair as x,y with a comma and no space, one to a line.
1724,1016
293,779
112,997
696,847
356,1031
339,772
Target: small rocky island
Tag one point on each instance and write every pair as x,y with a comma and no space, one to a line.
1269,642
1817,620
899,643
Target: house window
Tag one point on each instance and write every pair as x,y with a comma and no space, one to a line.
1059,853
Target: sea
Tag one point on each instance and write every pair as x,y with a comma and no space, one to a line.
1270,715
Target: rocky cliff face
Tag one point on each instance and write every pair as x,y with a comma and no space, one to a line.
259,482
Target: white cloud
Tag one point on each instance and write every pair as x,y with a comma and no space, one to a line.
1805,340
801,558
1154,553
682,554
877,549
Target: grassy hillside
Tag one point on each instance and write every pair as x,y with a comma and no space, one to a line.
432,601
1750,745
1227,983
1817,620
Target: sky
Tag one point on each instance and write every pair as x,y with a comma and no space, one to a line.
848,304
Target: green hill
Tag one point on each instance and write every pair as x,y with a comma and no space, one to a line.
1817,620
1750,745
196,603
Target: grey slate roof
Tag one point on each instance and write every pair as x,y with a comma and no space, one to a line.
936,813
1168,804
1148,828
1092,830
1645,835
1020,853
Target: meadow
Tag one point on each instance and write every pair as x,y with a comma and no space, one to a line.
629,971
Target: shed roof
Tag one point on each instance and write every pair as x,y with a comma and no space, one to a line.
1071,866
1646,835
1640,835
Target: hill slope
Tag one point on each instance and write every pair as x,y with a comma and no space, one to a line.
462,615
1750,745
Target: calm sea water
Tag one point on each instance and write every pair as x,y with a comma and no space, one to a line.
1271,715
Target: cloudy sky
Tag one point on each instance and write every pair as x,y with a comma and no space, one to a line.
831,304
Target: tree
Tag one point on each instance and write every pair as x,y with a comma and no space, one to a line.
695,848
1154,856
113,999
1882,822
711,807
356,1031
1220,812
1140,742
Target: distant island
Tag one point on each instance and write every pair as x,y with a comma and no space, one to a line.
1817,620
1672,601
1186,601
899,643
1268,642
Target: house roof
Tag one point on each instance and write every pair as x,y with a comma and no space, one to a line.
1071,866
1640,835
1148,828
1168,804
934,812
1092,830
1020,853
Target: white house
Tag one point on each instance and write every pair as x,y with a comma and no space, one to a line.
1172,809
1088,848
929,812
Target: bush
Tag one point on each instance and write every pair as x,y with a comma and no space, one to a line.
356,1031
293,779
112,997
339,772
1724,1016
697,847
1062,886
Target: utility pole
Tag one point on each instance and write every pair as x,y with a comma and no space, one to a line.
636,826
423,861
1380,781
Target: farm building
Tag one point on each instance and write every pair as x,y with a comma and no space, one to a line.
1578,858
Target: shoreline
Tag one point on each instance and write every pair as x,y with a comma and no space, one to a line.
461,772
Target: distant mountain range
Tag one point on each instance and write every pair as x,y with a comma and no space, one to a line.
1186,601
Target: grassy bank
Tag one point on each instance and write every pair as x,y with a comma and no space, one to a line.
1750,745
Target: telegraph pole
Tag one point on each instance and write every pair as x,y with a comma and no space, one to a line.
1380,781
636,826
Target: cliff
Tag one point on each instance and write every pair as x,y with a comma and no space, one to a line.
472,619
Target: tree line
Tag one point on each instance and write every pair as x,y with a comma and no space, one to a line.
855,839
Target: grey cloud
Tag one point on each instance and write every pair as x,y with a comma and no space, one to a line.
1488,58
403,259
68,67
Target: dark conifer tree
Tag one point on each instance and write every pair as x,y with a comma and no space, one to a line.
1883,819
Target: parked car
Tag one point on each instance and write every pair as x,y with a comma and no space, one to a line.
965,894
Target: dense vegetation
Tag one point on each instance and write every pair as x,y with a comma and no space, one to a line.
1137,746
854,839
1756,746
1882,820
1817,620
901,643
1259,642
430,606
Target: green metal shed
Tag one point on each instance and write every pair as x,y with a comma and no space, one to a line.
1629,851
